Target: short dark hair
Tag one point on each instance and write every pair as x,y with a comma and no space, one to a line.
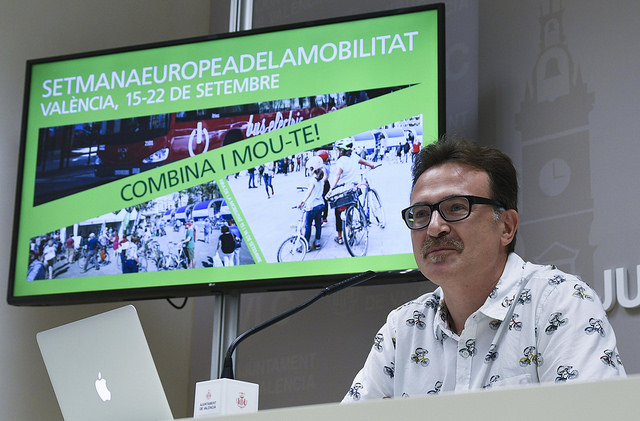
503,181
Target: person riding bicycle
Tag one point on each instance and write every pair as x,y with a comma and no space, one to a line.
346,174
313,203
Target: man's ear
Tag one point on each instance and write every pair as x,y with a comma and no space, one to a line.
509,226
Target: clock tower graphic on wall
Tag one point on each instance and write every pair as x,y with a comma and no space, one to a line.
557,205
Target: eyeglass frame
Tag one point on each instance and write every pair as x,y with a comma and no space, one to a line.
473,200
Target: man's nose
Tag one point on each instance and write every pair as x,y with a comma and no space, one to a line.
437,226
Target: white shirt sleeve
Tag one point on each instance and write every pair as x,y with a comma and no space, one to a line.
375,379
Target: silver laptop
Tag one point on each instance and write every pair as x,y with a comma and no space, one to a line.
101,369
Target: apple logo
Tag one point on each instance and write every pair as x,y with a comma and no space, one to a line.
101,388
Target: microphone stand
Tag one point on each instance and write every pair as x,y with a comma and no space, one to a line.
227,369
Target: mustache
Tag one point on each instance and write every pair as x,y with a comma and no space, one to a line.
432,242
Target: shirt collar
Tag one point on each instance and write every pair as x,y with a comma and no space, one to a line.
498,302
441,318
496,305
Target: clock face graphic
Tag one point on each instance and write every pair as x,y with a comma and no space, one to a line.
554,177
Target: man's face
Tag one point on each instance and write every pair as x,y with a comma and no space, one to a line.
464,251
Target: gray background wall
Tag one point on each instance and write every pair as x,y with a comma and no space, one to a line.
576,141
571,128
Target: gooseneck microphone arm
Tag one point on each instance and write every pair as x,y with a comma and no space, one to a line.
227,369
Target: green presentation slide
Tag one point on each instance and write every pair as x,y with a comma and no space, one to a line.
172,146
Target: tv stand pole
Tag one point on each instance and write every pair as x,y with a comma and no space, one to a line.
227,305
225,329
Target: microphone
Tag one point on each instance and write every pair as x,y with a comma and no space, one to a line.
227,370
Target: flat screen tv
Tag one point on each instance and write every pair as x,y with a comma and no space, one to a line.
154,144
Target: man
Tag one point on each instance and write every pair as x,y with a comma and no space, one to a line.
122,252
93,247
345,176
233,229
495,320
268,174
415,148
36,267
70,247
189,245
49,257
252,177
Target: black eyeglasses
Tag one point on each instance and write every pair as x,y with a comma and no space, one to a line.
451,209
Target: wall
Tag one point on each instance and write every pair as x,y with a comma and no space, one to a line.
34,29
559,91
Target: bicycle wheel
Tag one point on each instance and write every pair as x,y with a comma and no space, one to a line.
184,262
375,208
142,263
293,249
355,231
166,263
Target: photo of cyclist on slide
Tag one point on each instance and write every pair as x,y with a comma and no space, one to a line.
364,182
345,176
